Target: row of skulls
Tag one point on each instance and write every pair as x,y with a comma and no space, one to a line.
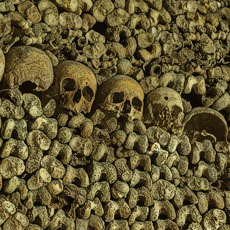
76,87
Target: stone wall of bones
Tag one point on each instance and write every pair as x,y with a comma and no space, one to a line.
114,115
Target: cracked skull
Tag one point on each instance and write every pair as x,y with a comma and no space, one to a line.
164,108
122,96
28,66
76,86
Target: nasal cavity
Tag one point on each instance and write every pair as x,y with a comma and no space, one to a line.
77,96
127,107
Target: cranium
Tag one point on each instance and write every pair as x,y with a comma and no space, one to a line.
205,123
123,96
28,64
164,108
76,84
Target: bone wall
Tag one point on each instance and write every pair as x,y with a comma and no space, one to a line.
114,115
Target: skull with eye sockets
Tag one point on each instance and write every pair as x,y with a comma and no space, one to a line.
76,85
123,96
164,108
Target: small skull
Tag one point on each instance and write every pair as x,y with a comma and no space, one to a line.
164,108
76,85
28,66
122,96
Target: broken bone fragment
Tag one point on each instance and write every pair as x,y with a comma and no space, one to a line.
28,64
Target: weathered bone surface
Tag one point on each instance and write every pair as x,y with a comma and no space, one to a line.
27,63
76,86
164,108
114,115
122,96
205,123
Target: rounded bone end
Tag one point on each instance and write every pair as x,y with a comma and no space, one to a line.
2,64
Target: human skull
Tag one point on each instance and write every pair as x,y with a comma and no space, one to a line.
164,108
77,86
123,96
27,64
205,123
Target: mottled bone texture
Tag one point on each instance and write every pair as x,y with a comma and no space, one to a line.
21,60
122,96
76,86
164,108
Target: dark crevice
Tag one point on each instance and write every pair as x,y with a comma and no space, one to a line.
27,87
91,228
123,41
69,201
65,34
211,93
186,201
193,98
67,53
141,201
227,59
100,27
163,216
162,175
225,114
37,221
62,228
157,70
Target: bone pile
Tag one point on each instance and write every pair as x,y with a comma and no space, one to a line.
114,115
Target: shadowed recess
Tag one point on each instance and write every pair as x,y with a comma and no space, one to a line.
27,87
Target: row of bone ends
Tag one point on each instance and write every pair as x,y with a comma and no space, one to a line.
132,181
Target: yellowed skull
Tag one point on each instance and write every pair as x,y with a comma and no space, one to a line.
77,86
164,108
28,66
122,96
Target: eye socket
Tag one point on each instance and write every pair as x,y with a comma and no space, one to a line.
69,84
117,97
137,104
88,93
175,111
77,96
